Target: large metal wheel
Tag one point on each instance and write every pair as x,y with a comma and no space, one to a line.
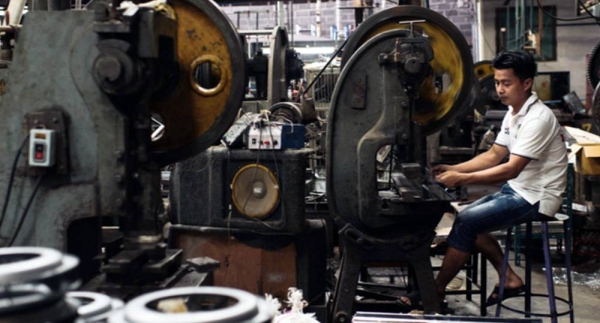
488,98
593,66
196,114
452,61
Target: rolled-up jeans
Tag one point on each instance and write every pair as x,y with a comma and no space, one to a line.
497,211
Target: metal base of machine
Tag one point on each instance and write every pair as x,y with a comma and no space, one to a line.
359,249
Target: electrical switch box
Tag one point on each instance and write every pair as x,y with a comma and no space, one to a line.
42,147
276,137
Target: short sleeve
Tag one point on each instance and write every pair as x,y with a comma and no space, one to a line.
532,139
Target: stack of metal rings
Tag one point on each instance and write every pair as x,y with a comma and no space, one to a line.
33,283
201,305
93,307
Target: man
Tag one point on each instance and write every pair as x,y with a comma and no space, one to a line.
535,173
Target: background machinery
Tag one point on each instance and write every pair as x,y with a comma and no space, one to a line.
85,92
407,73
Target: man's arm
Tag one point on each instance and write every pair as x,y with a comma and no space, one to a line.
486,160
496,174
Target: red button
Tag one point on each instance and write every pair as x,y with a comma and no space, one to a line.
39,155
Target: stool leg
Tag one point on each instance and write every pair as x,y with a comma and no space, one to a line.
518,245
528,262
503,273
568,241
549,281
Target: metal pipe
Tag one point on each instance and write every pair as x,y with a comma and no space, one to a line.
280,13
14,12
338,18
540,28
318,14
291,12
255,32
480,35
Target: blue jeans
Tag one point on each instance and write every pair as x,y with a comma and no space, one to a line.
497,211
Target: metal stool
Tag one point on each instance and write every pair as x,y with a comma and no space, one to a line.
549,281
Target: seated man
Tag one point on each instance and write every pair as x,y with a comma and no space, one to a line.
535,174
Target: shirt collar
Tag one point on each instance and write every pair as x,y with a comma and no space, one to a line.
528,103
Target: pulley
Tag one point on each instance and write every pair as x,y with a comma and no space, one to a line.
211,84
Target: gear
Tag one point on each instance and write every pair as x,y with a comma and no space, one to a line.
593,66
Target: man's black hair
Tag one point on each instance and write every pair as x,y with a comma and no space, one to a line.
522,63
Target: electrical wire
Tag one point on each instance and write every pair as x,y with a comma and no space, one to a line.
24,215
566,19
11,178
588,12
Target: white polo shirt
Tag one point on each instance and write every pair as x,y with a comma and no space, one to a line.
535,133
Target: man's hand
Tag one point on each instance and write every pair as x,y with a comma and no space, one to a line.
450,178
436,170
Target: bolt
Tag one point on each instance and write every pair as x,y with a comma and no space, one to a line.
119,202
404,104
109,68
55,120
404,136
119,178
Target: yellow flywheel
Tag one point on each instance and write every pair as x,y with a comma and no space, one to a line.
452,61
210,85
483,69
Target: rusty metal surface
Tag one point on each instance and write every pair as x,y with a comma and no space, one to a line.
354,137
196,118
252,269
452,59
56,80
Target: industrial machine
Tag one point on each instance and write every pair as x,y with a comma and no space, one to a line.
407,72
79,98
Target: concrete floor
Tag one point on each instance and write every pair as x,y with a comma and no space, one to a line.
587,301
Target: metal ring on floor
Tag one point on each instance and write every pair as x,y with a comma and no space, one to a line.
247,307
23,297
22,264
99,305
512,309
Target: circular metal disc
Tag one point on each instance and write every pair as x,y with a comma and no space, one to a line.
23,264
483,69
245,307
452,60
255,191
197,117
593,66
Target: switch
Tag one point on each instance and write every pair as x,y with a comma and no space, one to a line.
39,152
41,147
